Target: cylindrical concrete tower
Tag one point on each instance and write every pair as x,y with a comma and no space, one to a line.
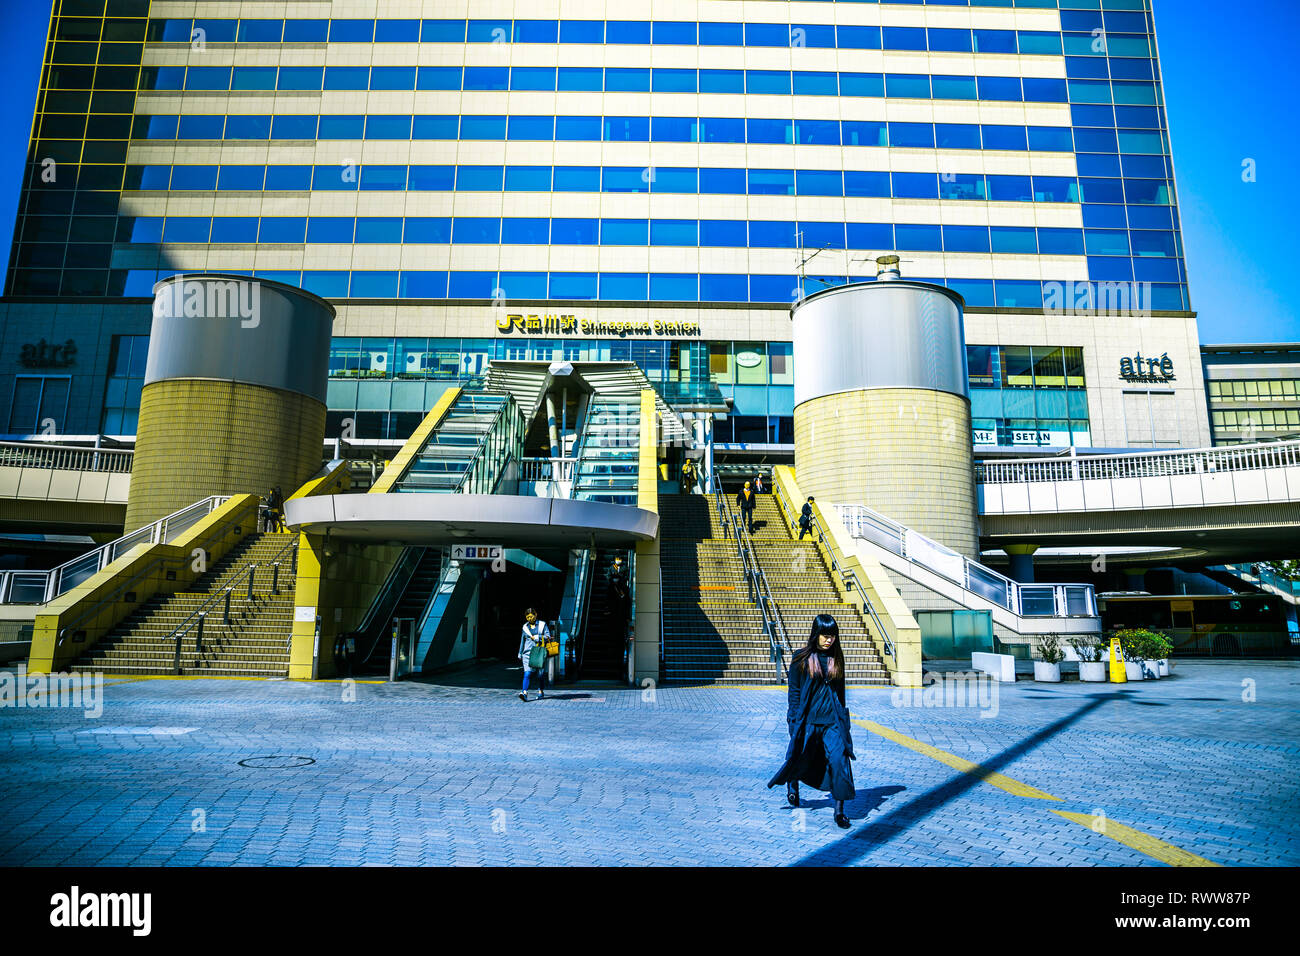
882,404
234,392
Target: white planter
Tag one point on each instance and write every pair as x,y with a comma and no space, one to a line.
1134,670
1162,667
1151,669
1094,672
1047,673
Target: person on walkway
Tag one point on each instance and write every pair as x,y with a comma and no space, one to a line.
758,483
821,744
805,518
745,502
532,652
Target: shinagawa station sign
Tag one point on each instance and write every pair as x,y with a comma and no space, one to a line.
568,324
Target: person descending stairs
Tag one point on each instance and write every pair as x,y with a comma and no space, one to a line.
802,588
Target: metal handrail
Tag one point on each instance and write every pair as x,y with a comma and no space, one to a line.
199,615
759,594
894,537
848,579
66,457
156,532
589,574
144,572
1153,464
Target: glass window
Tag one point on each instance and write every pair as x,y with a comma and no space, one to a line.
421,229
537,31
674,287
627,80
627,129
817,132
291,229
208,127
955,88
438,78
253,78
306,31
580,78
862,84
245,127
949,40
769,131
723,181
722,129
999,88
291,127
624,232
476,230
722,81
1010,189
1004,137
379,229
907,85
674,232
482,127
628,286
520,231
627,31
573,285
582,31
390,178
589,128
916,185
770,182
242,229
767,81
625,179
577,179
724,288
721,34
435,127
574,232
241,177
330,229
810,83
723,232
673,81
751,363
341,127
479,177
919,135
772,234
918,237
904,38
528,178
288,178
487,78
532,78
392,78
720,364
858,183
870,235
965,238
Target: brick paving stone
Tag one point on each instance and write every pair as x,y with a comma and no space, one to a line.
417,773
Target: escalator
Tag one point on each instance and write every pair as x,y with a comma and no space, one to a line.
608,452
604,637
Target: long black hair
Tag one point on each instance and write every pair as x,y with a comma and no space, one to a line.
806,657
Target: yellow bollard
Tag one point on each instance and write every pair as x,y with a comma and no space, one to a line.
1117,674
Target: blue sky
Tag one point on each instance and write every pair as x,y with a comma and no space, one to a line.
1230,79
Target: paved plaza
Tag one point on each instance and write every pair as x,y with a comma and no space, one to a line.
1200,767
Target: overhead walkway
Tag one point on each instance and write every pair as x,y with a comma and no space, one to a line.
50,488
1231,503
474,473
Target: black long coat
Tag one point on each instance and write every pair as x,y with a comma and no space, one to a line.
809,766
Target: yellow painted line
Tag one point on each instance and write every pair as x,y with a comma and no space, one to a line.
1001,781
715,587
1136,840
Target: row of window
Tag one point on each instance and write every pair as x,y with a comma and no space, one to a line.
659,129
1288,418
623,129
663,287
725,233
637,32
645,179
1253,390
630,80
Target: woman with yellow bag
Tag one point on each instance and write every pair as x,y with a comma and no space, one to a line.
534,651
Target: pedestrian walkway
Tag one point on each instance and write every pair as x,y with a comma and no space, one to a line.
217,772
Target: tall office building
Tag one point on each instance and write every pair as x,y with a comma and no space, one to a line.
653,181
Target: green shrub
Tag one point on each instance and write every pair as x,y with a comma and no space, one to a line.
1141,644
1049,649
1090,647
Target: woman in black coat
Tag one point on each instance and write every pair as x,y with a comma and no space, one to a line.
821,744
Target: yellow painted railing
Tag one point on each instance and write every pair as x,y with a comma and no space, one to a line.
71,624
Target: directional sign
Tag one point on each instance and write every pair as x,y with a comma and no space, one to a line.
476,552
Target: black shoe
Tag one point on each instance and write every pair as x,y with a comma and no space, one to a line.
523,695
841,820
792,794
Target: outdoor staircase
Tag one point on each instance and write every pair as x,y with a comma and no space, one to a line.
416,595
254,644
712,632
802,587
